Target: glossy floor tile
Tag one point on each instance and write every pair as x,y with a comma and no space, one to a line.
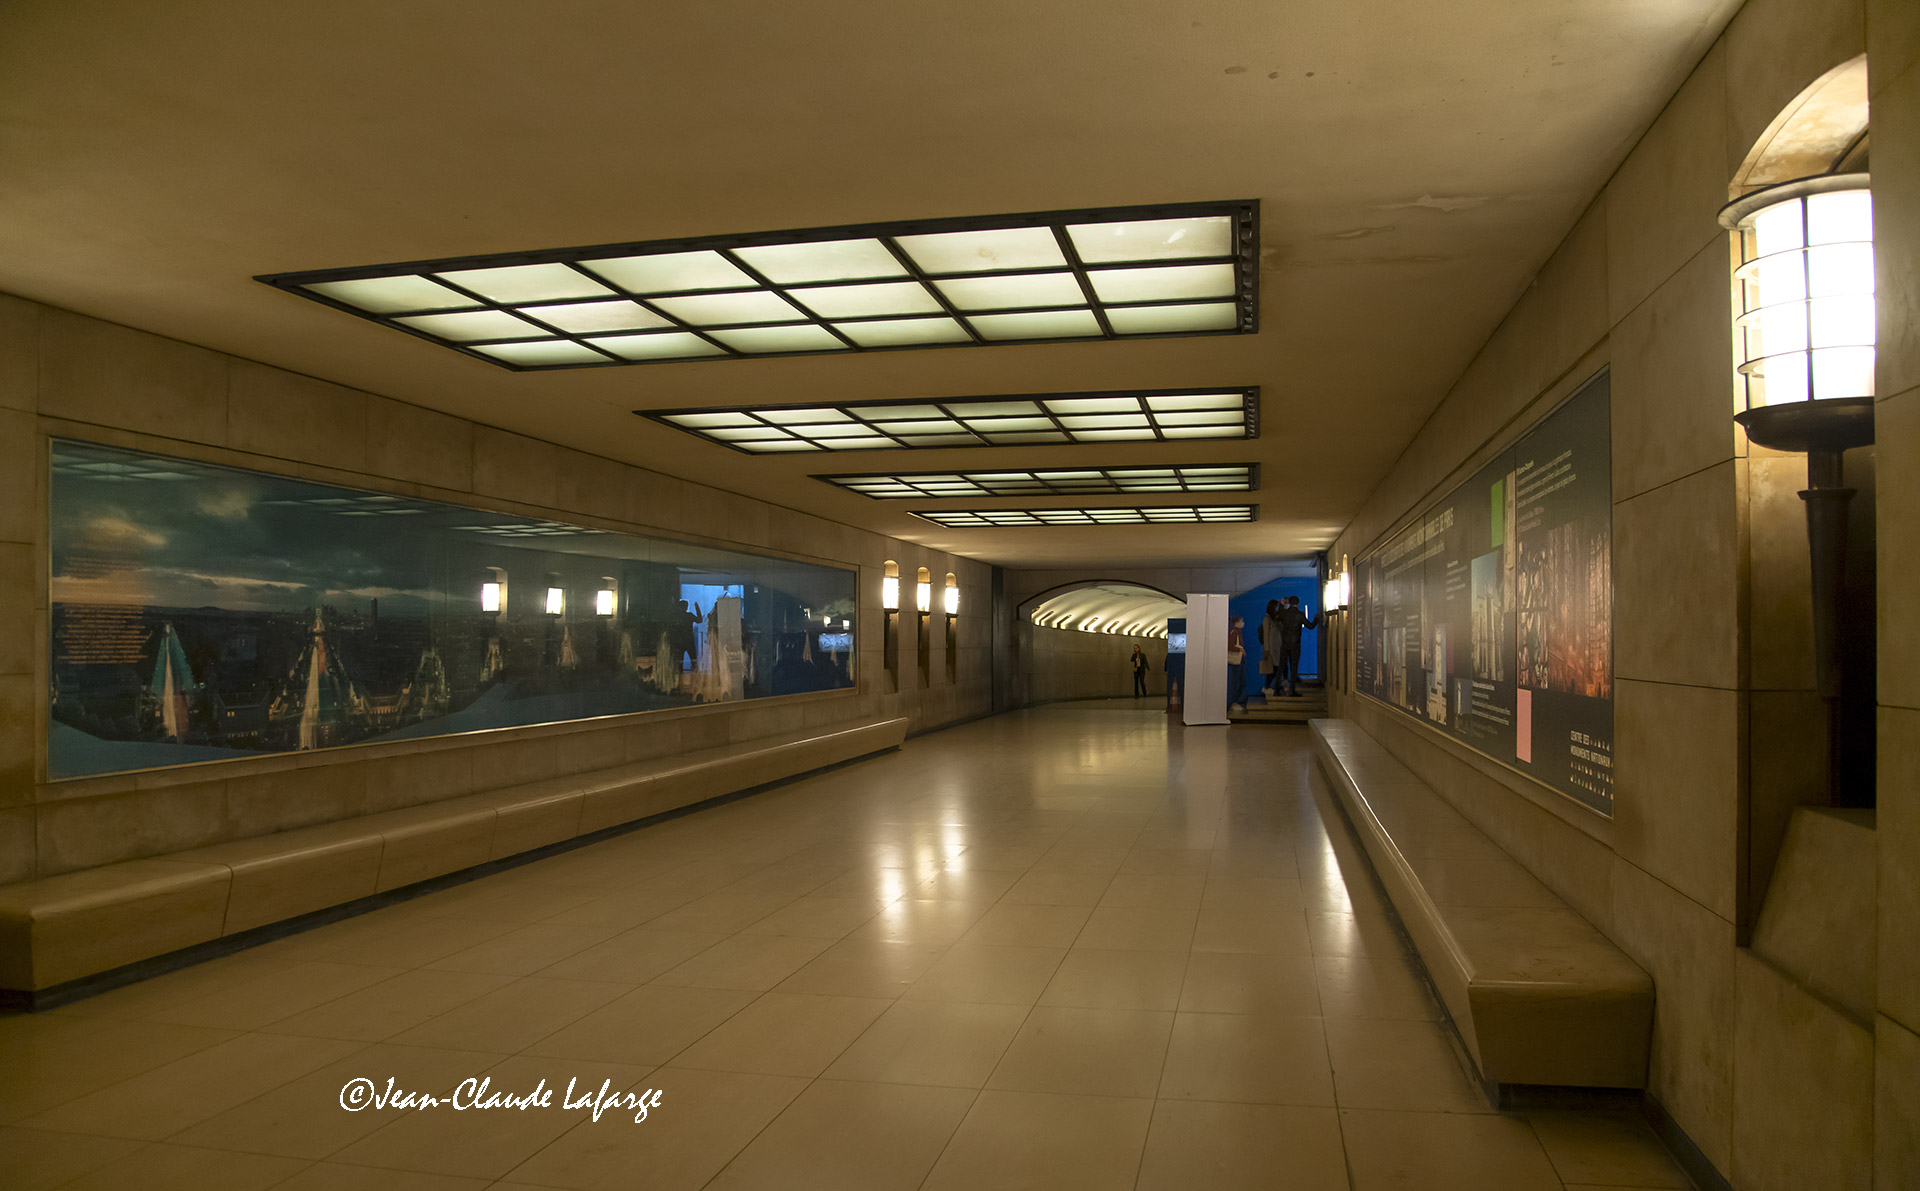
1076,947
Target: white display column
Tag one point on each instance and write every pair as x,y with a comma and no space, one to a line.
1206,690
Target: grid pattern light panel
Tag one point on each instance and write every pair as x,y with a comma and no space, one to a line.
1226,477
1151,515
1109,273
1162,416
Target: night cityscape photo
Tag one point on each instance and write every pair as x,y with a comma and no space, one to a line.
202,612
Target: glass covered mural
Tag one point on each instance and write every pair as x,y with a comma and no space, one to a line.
202,613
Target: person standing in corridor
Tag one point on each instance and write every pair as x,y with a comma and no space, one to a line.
1292,620
1139,663
1270,650
1236,665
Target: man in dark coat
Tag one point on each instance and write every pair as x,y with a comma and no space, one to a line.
1292,620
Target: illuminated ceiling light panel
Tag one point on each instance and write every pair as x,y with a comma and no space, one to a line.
1234,477
1110,273
1152,515
1163,416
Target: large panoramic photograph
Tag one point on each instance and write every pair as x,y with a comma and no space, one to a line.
203,613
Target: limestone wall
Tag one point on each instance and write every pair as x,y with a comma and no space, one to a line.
1716,730
1070,664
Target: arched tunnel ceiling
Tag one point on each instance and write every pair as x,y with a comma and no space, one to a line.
1122,608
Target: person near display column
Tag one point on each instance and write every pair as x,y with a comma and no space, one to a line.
1139,663
1270,648
1236,665
1292,620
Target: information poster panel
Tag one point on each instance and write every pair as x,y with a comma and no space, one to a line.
1491,617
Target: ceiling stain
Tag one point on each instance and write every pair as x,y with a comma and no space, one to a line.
1356,233
1459,202
1236,70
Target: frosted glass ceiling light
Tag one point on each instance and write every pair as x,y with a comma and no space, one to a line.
985,252
1050,324
589,317
1160,285
709,310
862,301
836,260
478,324
669,345
527,283
781,339
1015,292
1169,320
1154,515
1150,240
671,272
1187,269
384,295
1238,477
905,332
543,351
965,421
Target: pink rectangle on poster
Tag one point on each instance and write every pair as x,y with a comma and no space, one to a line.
1523,725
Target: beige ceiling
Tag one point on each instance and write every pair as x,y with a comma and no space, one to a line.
1415,162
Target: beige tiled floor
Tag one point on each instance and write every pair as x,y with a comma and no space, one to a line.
1070,948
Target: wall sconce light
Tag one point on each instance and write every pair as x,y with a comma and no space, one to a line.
556,601
890,604
950,604
1333,597
923,602
1806,334
493,592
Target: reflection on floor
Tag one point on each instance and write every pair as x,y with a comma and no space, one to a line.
1077,947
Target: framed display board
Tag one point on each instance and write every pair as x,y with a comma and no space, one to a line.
1490,617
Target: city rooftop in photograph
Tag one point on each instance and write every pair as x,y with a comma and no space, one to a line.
1107,273
1164,415
1029,518
1213,477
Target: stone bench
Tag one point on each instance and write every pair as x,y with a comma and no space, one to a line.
78,925
1539,996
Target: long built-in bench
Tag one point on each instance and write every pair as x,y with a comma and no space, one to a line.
67,928
1539,996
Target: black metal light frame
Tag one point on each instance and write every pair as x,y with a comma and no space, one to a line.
1032,482
1138,515
1245,260
1249,412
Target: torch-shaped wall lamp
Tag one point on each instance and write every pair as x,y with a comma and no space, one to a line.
890,607
923,603
950,605
1806,336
